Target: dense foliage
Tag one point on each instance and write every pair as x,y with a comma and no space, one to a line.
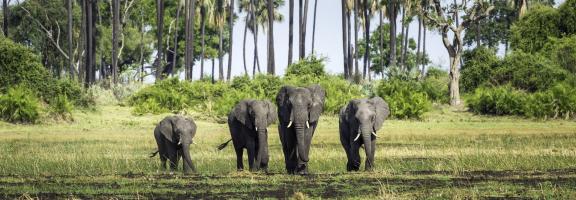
479,65
405,98
557,102
19,105
216,100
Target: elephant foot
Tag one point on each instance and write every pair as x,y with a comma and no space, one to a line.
240,169
302,170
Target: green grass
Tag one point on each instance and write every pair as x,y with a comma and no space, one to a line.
450,154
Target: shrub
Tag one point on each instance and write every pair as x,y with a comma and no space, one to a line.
502,100
530,72
435,85
532,31
405,98
478,68
19,105
568,15
563,52
61,108
310,66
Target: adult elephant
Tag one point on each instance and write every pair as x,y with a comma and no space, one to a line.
359,122
298,110
248,123
174,135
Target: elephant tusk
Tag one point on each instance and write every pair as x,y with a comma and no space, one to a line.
256,128
307,124
289,124
374,133
179,142
358,136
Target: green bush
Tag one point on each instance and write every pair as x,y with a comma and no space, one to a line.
311,66
405,98
563,52
531,32
530,72
435,85
61,108
503,100
478,68
19,105
568,15
557,102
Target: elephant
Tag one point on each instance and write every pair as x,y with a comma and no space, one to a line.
361,118
299,109
174,135
248,123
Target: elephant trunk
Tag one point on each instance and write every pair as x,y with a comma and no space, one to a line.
366,133
262,159
302,147
188,165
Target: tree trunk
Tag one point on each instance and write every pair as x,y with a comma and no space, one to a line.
423,46
290,32
6,13
350,56
159,29
303,18
344,40
405,46
271,61
203,51
418,48
213,70
221,53
191,12
392,12
314,25
478,34
381,47
90,41
254,5
454,80
403,35
366,38
175,55
244,49
141,45
356,24
115,30
70,33
230,38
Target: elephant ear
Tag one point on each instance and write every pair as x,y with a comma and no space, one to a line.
318,96
382,111
271,114
282,103
242,114
167,129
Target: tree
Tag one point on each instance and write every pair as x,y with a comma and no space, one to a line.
392,17
220,16
159,33
206,10
291,31
271,62
314,25
90,40
230,38
303,9
345,39
69,11
189,54
478,11
115,27
6,12
531,33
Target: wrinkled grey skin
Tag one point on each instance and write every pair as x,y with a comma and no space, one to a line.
174,136
248,123
359,122
299,109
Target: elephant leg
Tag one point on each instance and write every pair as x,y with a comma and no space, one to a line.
172,153
251,155
163,159
289,149
370,159
354,161
239,163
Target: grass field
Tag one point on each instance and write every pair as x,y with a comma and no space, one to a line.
449,154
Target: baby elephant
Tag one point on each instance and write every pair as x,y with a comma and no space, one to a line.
174,135
359,122
248,123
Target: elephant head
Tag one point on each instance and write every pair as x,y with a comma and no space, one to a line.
300,108
364,118
257,116
180,131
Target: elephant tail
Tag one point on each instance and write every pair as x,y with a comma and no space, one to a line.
223,145
154,154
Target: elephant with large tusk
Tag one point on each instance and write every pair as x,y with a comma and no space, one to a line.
299,109
359,122
248,123
174,136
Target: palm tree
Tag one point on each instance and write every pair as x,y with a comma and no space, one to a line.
70,33
314,25
6,12
189,54
175,51
89,12
206,12
356,24
271,62
350,50
303,8
115,27
344,39
220,16
231,38
291,32
392,16
159,30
